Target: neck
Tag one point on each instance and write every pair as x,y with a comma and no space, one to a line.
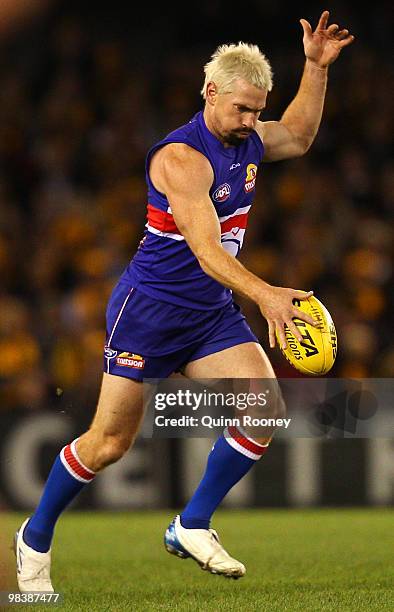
211,127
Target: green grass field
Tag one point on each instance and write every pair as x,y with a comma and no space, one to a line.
313,560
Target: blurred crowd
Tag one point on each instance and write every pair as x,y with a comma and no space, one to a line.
77,116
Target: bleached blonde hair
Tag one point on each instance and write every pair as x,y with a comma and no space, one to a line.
231,62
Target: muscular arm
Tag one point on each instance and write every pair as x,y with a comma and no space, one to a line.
294,133
185,176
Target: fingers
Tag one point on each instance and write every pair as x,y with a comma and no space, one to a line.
280,327
306,26
294,330
293,327
271,333
302,295
323,20
277,325
332,28
298,314
282,335
346,41
342,34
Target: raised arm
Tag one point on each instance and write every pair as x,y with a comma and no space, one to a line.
294,133
185,176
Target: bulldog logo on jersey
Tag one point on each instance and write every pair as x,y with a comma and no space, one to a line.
250,181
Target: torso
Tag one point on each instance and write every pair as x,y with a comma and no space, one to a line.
164,266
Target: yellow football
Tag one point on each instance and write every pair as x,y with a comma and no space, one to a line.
316,354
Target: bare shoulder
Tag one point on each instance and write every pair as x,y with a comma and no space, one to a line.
269,132
179,152
179,163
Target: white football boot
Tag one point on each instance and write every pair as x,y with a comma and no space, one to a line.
203,546
33,567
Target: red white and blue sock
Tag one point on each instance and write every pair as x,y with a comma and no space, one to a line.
231,457
66,479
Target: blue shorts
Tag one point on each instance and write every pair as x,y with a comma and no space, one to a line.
147,338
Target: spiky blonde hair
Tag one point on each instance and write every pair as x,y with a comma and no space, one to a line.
231,62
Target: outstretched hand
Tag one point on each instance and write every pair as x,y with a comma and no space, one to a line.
324,44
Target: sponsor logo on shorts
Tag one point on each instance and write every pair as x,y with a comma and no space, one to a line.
109,353
250,181
222,193
130,360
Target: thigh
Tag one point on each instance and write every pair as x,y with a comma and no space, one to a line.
247,360
120,407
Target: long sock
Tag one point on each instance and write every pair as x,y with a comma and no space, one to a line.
231,457
66,479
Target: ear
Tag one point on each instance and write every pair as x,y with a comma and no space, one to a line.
211,93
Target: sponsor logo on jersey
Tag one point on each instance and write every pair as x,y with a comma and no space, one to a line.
222,193
233,166
130,360
109,353
250,181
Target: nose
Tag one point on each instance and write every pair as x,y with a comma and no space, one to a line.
249,121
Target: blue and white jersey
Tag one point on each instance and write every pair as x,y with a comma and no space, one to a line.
164,267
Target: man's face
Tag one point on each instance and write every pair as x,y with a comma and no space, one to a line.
234,115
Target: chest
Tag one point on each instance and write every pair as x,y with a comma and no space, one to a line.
234,184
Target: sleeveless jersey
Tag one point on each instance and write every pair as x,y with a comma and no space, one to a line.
164,267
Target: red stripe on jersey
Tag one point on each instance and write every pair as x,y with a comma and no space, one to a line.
161,220
164,221
245,442
75,465
239,221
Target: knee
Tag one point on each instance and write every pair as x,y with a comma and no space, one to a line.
280,407
97,450
112,449
274,406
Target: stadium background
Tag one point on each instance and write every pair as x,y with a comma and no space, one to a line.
84,92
